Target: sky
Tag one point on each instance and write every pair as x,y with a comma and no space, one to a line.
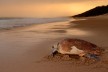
46,8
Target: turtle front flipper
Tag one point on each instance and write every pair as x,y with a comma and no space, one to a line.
92,56
54,51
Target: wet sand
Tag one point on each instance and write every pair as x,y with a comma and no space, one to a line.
23,49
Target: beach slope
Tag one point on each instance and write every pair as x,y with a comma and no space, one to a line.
23,49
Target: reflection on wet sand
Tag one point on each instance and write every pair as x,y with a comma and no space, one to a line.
78,32
57,28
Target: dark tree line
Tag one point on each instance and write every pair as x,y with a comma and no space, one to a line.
100,10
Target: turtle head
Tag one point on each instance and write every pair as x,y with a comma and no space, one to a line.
55,49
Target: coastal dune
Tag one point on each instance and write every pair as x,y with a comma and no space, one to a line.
23,49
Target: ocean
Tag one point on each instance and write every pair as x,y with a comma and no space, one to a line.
19,22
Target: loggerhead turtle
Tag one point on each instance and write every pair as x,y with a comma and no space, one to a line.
77,47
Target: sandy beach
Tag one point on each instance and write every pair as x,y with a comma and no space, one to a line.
23,49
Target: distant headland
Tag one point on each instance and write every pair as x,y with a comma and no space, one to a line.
99,10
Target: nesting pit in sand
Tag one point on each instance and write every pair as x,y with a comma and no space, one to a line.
71,58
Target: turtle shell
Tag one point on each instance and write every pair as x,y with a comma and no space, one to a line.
87,47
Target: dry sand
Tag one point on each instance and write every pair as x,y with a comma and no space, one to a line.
23,49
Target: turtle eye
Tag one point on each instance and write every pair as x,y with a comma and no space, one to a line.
52,46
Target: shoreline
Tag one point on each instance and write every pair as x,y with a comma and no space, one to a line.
11,23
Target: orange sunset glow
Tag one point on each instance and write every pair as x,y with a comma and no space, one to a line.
47,9
53,35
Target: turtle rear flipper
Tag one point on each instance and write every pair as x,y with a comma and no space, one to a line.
92,56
